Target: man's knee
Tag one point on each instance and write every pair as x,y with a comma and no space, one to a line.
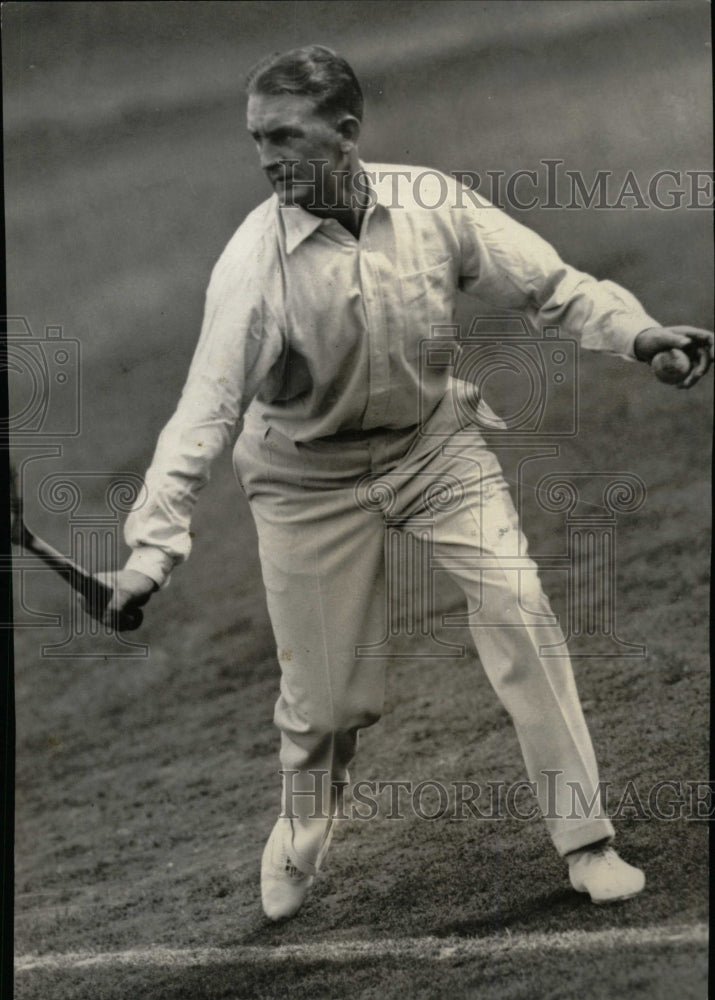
318,723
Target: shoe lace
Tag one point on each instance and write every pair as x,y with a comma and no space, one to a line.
293,872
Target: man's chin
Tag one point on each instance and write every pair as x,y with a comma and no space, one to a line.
295,195
299,193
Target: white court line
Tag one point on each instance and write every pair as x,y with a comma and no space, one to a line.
430,948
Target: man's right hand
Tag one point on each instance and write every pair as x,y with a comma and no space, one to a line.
130,591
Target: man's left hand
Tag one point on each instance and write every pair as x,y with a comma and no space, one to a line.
697,344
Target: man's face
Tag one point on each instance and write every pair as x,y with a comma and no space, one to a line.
285,128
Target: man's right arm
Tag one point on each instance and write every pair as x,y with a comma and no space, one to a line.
240,342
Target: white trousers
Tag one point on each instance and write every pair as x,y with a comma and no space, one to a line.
321,511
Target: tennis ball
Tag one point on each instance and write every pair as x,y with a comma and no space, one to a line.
671,366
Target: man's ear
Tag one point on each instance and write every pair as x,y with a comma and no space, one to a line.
349,129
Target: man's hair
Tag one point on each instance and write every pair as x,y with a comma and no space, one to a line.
312,71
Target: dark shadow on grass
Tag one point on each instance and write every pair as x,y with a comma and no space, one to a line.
536,914
554,912
539,911
263,932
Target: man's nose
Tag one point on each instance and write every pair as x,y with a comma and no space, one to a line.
268,155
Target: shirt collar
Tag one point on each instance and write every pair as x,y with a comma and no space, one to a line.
300,224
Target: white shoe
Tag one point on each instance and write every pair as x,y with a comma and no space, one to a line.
601,873
285,877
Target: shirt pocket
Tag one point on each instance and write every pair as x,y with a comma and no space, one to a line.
427,298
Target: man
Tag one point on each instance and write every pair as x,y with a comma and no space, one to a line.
314,317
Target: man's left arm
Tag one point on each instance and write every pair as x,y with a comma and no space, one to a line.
510,266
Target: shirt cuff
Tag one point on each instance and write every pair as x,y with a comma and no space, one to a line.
152,562
628,330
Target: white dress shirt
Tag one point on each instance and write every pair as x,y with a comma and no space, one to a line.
321,331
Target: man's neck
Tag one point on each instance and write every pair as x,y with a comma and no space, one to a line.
350,200
350,219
